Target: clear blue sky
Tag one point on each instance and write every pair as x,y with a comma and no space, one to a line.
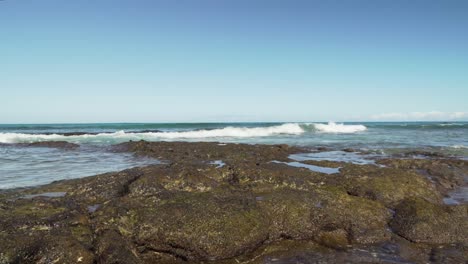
232,60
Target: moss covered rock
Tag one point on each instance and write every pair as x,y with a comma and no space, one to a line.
419,220
388,185
202,226
250,210
312,214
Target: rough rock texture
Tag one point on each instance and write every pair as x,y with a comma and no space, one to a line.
445,174
249,210
388,185
421,221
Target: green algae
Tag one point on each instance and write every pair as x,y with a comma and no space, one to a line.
421,221
246,212
37,210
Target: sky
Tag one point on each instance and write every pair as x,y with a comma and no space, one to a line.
232,60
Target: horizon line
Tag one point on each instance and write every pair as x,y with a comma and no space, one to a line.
242,122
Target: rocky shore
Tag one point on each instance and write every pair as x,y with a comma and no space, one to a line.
239,203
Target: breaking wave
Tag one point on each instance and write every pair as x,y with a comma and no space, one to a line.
332,127
226,132
243,132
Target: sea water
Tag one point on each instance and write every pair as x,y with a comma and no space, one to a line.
26,166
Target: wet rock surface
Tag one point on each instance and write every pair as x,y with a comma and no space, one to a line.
419,220
446,175
250,210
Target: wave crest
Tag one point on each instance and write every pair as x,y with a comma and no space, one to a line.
226,132
333,127
242,132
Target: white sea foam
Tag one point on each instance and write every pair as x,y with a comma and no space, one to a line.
28,138
226,132
242,132
460,146
20,138
332,127
451,124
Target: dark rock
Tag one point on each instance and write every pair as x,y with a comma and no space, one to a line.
250,210
60,249
349,150
203,226
306,252
424,222
113,248
388,185
326,211
455,253
446,174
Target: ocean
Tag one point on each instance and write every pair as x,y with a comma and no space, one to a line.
22,166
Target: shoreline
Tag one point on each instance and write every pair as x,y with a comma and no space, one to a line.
243,207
